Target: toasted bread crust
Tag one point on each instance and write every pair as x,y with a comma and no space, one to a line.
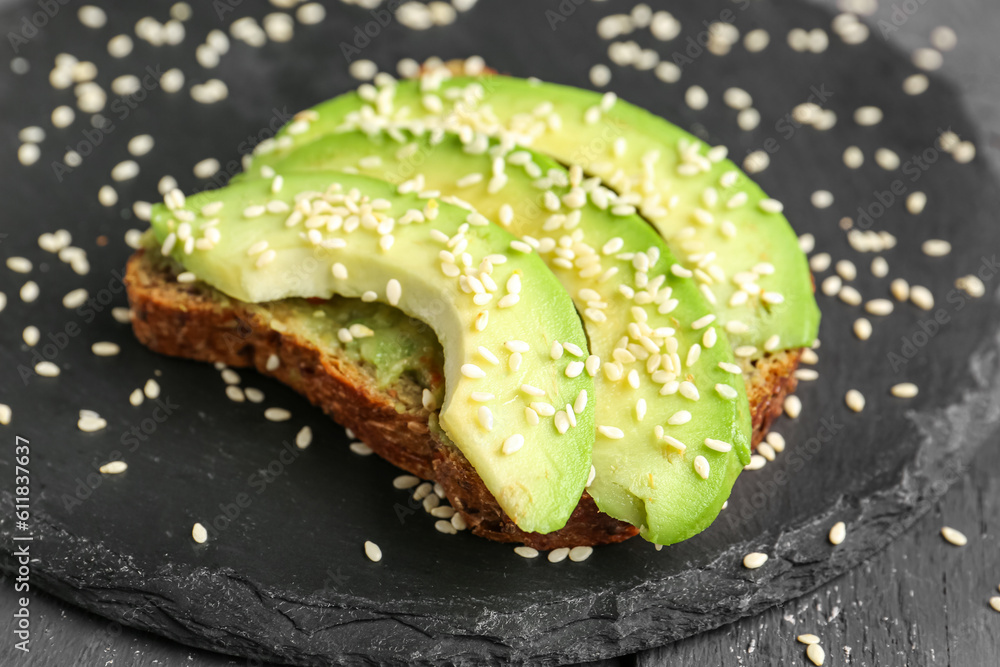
194,321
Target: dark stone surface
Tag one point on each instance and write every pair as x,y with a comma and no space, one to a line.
287,579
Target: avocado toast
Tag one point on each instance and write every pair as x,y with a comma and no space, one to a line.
673,424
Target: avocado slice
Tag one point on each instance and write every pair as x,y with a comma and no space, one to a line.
657,402
494,305
717,220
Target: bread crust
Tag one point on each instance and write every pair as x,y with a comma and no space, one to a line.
194,321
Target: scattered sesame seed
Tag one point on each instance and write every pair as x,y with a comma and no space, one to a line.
277,414
526,552
754,560
443,526
373,552
915,202
862,328
558,555
91,16
915,84
361,449
702,467
936,248
793,406
837,534
816,654
113,468
807,639
853,157
995,603
696,98
927,59
855,400
47,369
921,297
868,116
105,349
513,443
822,199
199,533
107,196
971,285
28,154
611,432
579,554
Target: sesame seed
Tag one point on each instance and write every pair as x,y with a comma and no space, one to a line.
393,292
822,199
726,391
718,445
853,157
808,639
113,468
513,443
900,289
754,560
793,406
372,551
767,451
971,285
277,414
730,368
235,394
696,98
921,297
770,206
473,371
611,432
756,462
304,437
679,418
107,196
361,449
105,349
855,400
868,116
579,554
445,527
927,59
558,555
862,328
405,482
90,422
47,369
703,322
915,202
849,295
880,267
75,298
776,440
526,552
816,654
837,533
936,248
272,363
199,533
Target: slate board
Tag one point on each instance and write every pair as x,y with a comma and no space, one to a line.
287,579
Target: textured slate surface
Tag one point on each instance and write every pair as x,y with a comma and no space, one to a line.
287,577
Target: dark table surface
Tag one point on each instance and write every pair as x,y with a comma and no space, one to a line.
920,602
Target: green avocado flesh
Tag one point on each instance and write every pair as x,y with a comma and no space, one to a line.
715,219
657,402
495,308
400,349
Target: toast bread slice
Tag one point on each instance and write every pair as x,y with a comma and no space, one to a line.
195,321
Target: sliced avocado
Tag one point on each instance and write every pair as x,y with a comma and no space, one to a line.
655,411
494,305
717,220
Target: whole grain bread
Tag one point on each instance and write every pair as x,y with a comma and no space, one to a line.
195,321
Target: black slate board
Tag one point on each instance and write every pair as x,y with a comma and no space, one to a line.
287,578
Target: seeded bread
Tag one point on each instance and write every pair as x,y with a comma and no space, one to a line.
195,321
